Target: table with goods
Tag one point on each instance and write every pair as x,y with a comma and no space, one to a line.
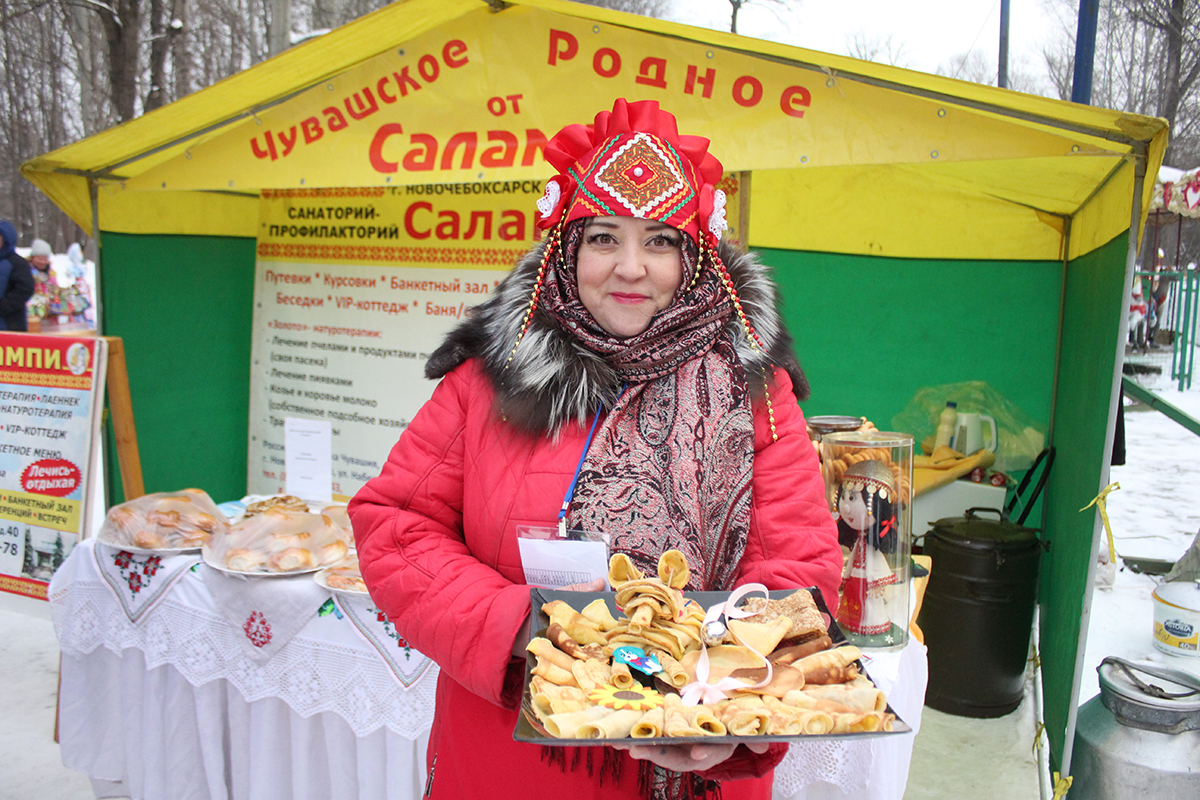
210,658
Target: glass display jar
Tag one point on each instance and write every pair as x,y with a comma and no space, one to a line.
868,482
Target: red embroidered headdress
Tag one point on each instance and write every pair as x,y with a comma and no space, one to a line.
632,162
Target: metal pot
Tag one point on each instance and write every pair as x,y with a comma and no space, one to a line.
1139,738
977,613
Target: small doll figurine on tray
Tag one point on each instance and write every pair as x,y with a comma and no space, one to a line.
867,524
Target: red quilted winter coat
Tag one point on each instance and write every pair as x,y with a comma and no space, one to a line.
436,536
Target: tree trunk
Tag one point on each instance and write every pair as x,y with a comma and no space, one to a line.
121,37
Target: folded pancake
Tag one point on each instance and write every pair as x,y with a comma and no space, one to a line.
568,725
673,569
793,653
552,699
784,678
565,643
598,613
616,725
592,673
577,626
621,570
804,700
651,725
761,637
798,607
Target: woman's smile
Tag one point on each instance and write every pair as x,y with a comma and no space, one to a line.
628,270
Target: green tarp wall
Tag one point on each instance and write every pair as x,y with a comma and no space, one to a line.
182,304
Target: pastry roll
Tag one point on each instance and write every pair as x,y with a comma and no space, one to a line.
592,673
290,559
243,560
567,726
545,651
859,698
148,539
333,552
616,725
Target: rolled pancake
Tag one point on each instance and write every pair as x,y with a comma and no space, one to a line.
859,698
651,725
567,726
673,673
677,723
815,723
554,673
622,678
545,651
616,725
704,720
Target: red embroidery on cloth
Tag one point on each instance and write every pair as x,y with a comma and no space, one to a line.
257,629
390,630
137,574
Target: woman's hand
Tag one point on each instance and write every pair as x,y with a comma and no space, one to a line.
687,757
522,639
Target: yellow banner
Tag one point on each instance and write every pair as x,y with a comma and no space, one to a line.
41,510
475,99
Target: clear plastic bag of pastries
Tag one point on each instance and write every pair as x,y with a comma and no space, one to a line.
279,541
164,521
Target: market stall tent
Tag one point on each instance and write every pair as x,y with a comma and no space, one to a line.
923,230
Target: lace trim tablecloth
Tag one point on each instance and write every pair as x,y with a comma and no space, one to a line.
325,667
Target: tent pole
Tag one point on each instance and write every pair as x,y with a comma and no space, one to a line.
1114,400
94,199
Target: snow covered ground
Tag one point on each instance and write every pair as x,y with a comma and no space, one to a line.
1155,514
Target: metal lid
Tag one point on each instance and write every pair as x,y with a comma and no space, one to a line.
830,423
1150,696
984,533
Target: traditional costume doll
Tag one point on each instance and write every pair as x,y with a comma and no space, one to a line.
866,507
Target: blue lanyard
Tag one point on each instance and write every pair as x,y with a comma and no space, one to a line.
562,512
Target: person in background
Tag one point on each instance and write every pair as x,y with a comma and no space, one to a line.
39,260
631,319
16,281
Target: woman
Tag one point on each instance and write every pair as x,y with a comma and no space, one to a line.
624,316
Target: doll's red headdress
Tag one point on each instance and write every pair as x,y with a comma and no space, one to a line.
632,162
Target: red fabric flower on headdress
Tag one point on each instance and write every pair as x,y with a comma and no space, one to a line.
632,162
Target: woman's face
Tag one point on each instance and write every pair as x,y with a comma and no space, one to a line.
853,508
628,269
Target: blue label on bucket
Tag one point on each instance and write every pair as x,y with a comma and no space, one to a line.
1178,628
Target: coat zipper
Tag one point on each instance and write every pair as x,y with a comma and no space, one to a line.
429,780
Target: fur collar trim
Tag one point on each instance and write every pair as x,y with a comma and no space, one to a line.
553,379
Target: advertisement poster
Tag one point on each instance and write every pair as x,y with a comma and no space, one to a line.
354,288
49,414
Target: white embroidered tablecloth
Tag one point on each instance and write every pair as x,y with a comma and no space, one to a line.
161,700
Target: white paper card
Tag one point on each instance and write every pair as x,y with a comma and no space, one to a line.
555,563
308,457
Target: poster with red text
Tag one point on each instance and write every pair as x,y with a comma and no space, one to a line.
49,415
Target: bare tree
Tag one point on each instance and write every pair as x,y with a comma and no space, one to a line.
774,5
869,47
